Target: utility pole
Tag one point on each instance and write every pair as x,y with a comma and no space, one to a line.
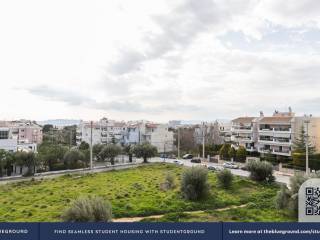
178,142
91,125
307,121
203,141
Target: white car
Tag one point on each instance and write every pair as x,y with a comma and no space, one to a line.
178,162
230,165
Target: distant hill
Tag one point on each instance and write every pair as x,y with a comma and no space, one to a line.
60,122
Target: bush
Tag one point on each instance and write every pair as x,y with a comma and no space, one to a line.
88,209
283,197
261,171
194,183
225,178
170,181
241,154
288,199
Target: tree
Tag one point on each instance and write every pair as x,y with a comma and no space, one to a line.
129,151
96,149
225,178
241,154
88,209
27,159
51,155
224,152
232,153
84,145
299,145
46,128
109,152
3,161
260,171
145,151
72,157
194,183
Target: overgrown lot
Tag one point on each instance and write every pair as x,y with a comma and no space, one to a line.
138,192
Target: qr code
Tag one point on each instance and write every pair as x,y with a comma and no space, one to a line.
312,201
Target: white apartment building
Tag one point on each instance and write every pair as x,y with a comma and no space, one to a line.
104,131
275,134
243,131
157,135
109,131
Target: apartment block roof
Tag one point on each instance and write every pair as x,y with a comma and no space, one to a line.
275,120
243,120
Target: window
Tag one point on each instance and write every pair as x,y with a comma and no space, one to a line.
4,134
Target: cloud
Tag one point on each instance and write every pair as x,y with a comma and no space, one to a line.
130,106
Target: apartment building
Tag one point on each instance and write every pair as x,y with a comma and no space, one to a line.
107,131
157,135
273,134
244,131
222,132
103,131
22,135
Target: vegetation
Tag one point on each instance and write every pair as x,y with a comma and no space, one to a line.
224,151
261,170
74,158
299,145
131,195
241,154
225,178
290,195
129,151
145,151
109,152
88,209
232,153
194,183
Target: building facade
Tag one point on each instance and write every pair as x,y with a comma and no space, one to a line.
22,135
274,134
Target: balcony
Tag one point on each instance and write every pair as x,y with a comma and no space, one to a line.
282,153
276,142
242,130
250,149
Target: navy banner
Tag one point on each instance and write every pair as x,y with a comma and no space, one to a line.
159,231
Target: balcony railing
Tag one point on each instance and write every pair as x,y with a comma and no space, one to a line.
285,130
275,141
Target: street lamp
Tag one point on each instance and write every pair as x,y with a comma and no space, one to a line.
307,121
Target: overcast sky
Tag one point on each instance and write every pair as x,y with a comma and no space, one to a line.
158,60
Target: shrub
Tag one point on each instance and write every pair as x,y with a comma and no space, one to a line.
88,209
225,178
241,154
261,171
194,183
170,181
283,198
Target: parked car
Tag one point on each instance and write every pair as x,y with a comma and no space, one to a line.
187,156
215,168
178,162
196,160
230,165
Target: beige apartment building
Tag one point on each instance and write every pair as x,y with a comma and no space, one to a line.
273,134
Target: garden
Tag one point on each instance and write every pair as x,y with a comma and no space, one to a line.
141,192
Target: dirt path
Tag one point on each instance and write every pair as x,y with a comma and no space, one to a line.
137,219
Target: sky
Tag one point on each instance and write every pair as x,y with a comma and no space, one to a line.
158,60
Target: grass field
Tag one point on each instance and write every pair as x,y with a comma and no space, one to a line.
136,192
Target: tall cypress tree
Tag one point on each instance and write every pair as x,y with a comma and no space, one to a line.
299,145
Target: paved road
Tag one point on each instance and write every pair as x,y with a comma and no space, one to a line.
239,172
102,168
